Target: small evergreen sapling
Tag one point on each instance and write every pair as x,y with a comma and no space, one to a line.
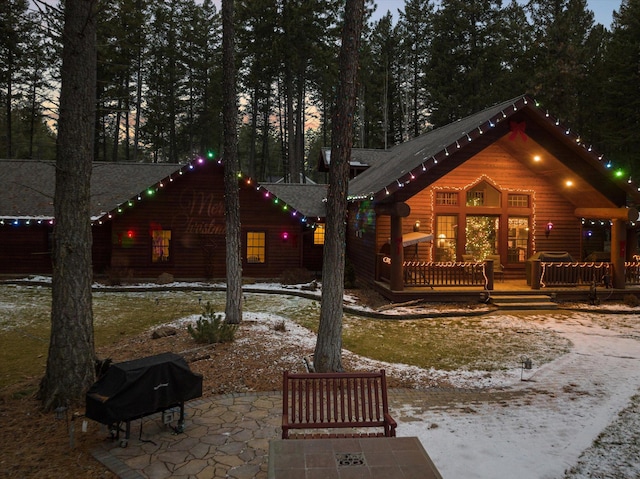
210,328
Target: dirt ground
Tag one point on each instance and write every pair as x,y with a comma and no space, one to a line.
35,444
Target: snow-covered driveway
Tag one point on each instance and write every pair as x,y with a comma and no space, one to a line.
566,404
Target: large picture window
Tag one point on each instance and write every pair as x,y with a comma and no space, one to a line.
160,240
446,228
482,236
256,247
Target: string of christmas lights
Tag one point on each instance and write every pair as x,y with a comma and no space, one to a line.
151,191
470,136
422,168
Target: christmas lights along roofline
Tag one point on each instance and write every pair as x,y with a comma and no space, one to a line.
403,162
307,214
409,160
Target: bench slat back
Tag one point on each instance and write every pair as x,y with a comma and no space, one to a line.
335,399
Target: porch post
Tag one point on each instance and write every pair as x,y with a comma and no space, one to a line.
397,254
618,252
619,218
396,211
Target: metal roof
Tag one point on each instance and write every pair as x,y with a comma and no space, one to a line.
27,187
307,199
428,157
405,157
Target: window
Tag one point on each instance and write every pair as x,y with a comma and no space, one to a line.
518,239
483,194
518,200
256,241
482,236
160,240
446,198
318,235
446,227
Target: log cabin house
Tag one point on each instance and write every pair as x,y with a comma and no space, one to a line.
508,190
499,194
150,219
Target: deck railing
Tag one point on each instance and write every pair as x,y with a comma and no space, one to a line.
430,274
423,273
574,273
632,272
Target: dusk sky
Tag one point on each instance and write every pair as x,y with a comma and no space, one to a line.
602,9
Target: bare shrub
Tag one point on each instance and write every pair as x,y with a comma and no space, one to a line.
296,276
631,300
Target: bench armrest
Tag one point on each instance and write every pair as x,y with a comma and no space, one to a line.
392,424
285,426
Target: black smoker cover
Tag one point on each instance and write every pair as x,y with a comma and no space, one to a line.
133,389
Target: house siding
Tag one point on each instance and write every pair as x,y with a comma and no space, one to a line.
192,208
506,173
25,249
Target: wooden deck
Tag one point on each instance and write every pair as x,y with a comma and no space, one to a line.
447,294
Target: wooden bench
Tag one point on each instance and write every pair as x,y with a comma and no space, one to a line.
316,404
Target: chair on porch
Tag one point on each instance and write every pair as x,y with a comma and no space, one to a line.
498,269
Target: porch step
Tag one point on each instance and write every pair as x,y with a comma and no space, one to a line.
523,302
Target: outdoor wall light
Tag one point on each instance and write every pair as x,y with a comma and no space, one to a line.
547,230
416,226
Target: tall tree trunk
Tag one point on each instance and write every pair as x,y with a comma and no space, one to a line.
291,131
136,129
328,351
265,168
70,363
254,130
233,309
116,132
8,105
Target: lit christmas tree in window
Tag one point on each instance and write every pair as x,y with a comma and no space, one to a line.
481,236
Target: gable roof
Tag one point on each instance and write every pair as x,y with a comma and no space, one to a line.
413,165
307,199
27,187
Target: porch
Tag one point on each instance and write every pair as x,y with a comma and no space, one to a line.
476,281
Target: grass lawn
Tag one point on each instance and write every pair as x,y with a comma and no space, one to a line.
487,342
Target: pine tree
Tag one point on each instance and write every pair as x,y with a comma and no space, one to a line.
70,362
14,37
415,36
233,308
621,89
468,59
380,116
328,350
562,52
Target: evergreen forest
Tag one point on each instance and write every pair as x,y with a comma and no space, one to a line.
159,76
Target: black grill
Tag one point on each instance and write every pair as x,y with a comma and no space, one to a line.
134,389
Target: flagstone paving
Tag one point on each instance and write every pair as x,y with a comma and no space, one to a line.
228,436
